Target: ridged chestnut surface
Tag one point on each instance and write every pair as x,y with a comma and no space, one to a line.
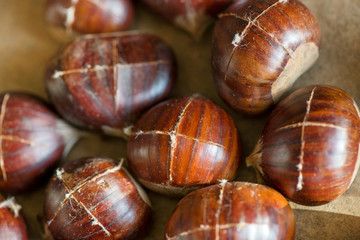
104,81
90,16
95,198
12,225
260,47
32,140
235,210
194,16
184,143
309,149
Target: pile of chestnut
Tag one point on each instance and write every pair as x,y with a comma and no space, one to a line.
117,82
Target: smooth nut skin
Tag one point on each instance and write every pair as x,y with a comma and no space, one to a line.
235,210
182,144
12,225
105,81
259,49
32,141
90,16
194,16
309,149
95,198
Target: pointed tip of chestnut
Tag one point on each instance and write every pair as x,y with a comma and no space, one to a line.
182,144
33,139
259,50
104,81
232,210
309,149
12,224
95,198
89,16
254,159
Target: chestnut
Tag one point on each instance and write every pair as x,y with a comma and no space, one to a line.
193,16
309,148
95,198
105,81
259,49
32,141
182,144
90,16
12,225
235,210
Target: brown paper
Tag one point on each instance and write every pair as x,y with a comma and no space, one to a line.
26,46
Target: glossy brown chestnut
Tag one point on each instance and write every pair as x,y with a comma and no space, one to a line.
194,16
104,81
235,210
309,149
32,140
95,198
259,49
182,144
90,16
12,225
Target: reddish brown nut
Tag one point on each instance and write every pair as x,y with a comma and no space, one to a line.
90,16
104,81
309,149
32,140
236,210
182,144
95,198
12,225
259,49
194,16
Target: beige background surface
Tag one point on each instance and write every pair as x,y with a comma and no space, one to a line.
26,46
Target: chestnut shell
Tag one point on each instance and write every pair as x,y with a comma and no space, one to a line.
259,49
105,81
32,141
309,149
194,16
12,224
90,16
95,198
184,143
235,210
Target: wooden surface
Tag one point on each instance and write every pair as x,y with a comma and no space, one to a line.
26,47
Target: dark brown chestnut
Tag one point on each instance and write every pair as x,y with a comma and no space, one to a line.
309,149
12,225
95,198
259,49
182,144
90,16
104,81
32,140
235,210
194,16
